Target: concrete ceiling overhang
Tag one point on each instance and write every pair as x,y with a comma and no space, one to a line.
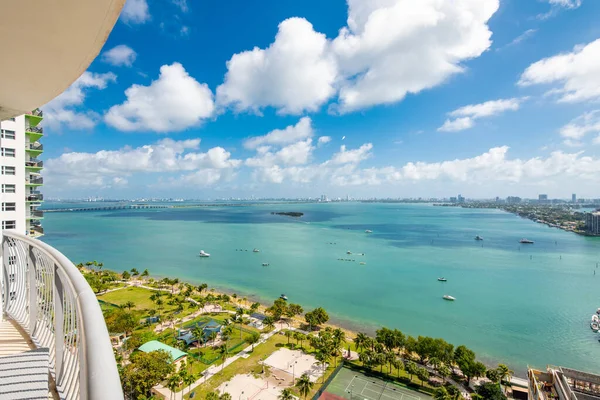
45,45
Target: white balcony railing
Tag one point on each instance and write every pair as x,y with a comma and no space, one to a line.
48,297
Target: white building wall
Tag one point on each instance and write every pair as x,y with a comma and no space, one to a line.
18,144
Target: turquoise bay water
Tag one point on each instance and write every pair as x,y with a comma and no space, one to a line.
520,304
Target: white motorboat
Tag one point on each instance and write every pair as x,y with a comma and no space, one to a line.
283,296
203,254
442,279
265,264
363,263
594,326
448,297
526,241
368,231
256,251
595,318
348,252
478,237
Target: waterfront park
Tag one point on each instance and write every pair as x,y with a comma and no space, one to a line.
214,345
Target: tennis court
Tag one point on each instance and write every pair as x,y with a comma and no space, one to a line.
353,385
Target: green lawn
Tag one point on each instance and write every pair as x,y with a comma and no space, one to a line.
139,296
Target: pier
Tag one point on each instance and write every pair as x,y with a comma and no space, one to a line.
108,208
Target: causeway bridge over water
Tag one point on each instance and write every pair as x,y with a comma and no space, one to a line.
108,208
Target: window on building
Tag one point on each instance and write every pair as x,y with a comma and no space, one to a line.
8,152
8,134
9,206
9,224
12,260
6,170
7,188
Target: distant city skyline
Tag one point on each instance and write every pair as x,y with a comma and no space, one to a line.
485,98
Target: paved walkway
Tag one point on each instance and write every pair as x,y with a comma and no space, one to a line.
214,369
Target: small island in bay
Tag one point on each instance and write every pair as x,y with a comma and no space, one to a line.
289,214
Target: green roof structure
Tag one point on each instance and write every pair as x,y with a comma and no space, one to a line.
155,345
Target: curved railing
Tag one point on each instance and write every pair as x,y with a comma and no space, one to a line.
49,298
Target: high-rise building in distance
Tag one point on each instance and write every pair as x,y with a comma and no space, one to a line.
21,173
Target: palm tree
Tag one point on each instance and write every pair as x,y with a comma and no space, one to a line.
301,338
360,341
304,385
252,339
444,371
129,305
441,394
212,337
504,373
435,362
173,383
134,272
323,357
145,273
286,394
188,380
223,353
269,322
288,335
398,364
198,334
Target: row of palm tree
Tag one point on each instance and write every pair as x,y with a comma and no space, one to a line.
393,348
182,377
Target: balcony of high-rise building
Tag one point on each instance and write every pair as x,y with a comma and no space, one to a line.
53,339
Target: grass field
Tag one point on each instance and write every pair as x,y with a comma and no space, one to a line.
139,296
353,385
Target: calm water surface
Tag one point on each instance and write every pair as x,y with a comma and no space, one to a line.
521,304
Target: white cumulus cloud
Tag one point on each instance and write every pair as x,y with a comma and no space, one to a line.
302,130
64,110
581,126
135,12
388,49
395,47
324,140
457,124
294,74
575,76
464,117
121,55
345,156
173,102
166,155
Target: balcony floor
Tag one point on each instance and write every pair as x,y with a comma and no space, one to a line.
12,339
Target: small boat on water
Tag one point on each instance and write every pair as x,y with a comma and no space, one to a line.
363,263
526,241
203,254
442,279
368,231
283,296
348,252
256,251
594,326
448,297
478,237
265,264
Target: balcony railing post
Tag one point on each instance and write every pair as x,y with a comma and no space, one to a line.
3,278
33,304
59,336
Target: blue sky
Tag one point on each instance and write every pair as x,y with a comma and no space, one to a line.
400,98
